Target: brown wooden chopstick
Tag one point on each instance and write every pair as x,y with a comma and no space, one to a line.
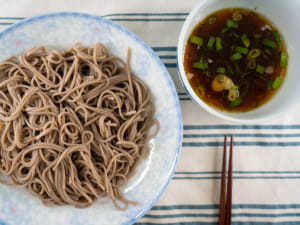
226,195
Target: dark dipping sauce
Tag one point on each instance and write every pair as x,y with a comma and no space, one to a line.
243,46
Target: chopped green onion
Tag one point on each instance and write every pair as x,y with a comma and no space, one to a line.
254,53
269,84
196,40
241,50
283,59
235,103
268,51
200,65
221,70
211,42
212,20
235,34
225,30
251,64
236,56
245,74
269,43
260,69
232,94
237,16
219,44
237,68
221,78
277,37
245,40
200,85
232,24
257,36
276,82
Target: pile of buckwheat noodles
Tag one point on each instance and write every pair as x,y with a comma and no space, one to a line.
72,124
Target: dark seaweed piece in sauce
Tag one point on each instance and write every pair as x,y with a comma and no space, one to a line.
235,60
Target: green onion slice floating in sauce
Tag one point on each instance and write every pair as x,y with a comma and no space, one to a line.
236,56
241,50
268,51
221,70
260,69
235,34
196,40
232,24
225,30
200,85
237,16
257,36
211,42
269,43
200,65
278,39
218,44
245,40
276,82
235,103
269,84
254,53
283,59
212,20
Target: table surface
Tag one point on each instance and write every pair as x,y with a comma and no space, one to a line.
266,156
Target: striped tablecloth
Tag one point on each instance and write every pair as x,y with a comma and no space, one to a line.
266,157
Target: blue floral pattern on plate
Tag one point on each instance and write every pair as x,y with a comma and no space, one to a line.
60,31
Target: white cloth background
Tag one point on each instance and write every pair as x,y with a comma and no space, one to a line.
266,156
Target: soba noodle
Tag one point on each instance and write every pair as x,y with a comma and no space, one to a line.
73,124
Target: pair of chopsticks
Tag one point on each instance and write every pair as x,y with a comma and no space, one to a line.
226,196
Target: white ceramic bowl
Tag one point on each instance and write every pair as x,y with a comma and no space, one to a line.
285,16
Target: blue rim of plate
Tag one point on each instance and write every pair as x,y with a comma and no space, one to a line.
157,59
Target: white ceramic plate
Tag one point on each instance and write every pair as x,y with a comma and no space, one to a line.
60,31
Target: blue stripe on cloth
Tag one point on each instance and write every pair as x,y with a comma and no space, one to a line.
216,223
180,223
164,49
266,215
149,19
241,143
186,99
242,172
264,223
234,206
240,127
147,14
181,215
175,207
241,135
11,18
167,56
170,65
238,177
6,23
114,14
207,215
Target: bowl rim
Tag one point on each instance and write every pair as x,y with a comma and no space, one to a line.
189,90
